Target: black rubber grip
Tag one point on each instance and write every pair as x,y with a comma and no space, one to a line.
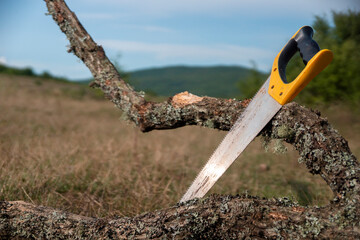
303,43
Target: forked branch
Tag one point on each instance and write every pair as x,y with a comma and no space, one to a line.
321,148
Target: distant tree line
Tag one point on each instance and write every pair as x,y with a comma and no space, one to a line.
17,71
28,72
340,81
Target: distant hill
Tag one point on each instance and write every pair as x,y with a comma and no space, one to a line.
217,81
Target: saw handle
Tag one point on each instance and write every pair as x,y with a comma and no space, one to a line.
314,59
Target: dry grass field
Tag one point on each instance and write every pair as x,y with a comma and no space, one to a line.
64,148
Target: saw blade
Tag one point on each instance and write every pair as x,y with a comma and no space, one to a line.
259,112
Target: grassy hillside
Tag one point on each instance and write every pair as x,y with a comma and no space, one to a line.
72,151
219,81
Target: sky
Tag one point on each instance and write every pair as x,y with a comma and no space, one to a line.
155,33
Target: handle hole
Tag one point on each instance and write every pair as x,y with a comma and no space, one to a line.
272,87
275,69
281,93
294,67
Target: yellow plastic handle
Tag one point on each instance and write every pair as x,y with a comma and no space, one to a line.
286,92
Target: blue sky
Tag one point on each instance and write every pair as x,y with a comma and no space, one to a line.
155,33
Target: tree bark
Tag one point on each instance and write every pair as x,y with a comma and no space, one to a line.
320,146
215,217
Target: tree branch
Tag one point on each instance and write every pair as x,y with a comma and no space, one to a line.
216,217
321,148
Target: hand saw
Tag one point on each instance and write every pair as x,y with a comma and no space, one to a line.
273,94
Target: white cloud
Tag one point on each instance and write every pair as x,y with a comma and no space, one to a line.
157,29
97,16
224,7
191,52
3,60
147,28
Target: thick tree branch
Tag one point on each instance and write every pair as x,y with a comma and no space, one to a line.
216,217
321,148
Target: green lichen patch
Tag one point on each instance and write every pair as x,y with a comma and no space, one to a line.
279,147
312,227
285,132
